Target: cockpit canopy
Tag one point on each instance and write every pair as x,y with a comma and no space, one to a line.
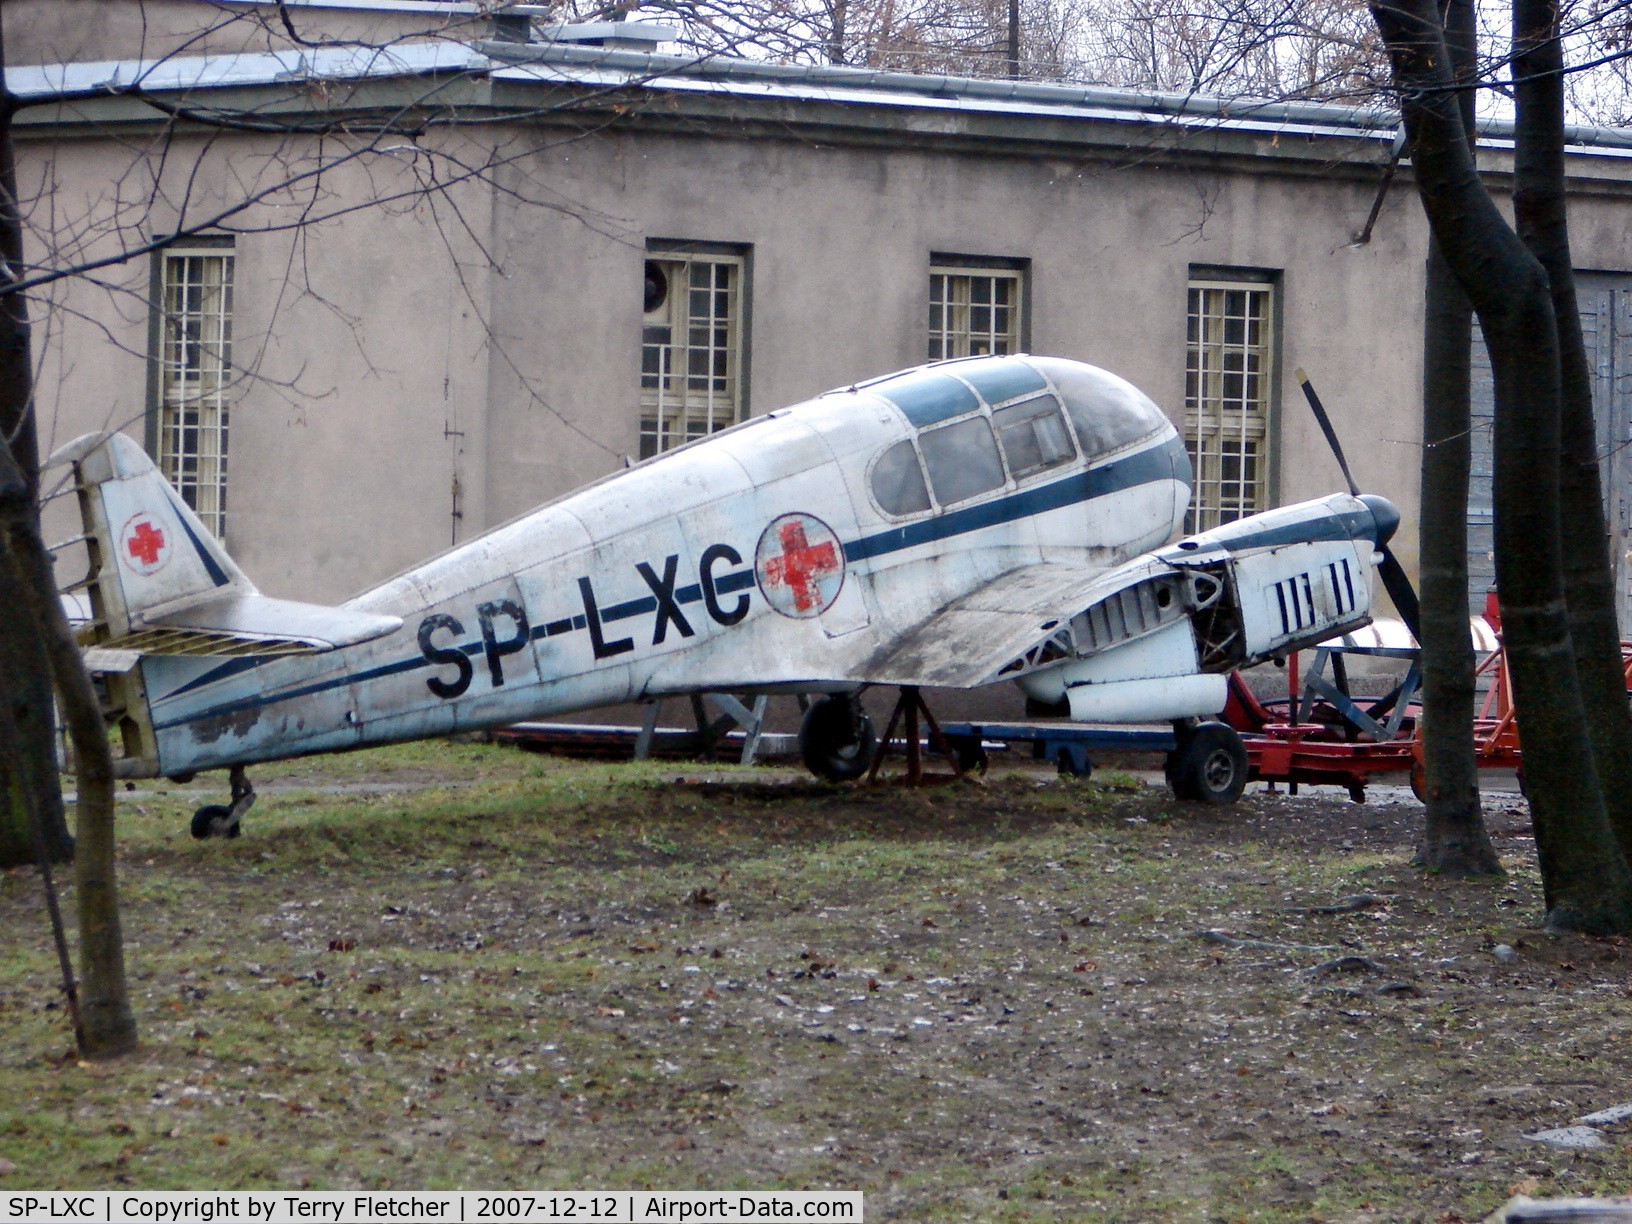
987,423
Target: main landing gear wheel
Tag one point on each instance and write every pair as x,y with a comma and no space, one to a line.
971,756
1209,765
837,740
218,820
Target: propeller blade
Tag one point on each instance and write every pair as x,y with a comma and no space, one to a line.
1400,590
1325,423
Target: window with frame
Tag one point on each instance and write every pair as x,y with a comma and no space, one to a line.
1229,375
975,311
691,348
194,377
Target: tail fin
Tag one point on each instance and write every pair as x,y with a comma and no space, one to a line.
160,584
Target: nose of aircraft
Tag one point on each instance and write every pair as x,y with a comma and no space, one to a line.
1384,514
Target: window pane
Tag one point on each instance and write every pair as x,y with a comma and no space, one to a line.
962,460
691,349
195,361
973,313
1033,436
1228,376
898,481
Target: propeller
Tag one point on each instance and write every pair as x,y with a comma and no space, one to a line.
1383,512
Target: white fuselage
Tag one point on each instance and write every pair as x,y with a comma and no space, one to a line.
758,559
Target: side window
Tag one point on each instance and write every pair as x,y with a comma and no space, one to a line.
1033,435
975,310
898,481
1229,378
962,460
692,345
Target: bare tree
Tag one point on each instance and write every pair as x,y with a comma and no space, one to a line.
1541,215
295,168
959,37
1455,840
1240,48
1586,880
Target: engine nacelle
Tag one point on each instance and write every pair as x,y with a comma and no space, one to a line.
1161,632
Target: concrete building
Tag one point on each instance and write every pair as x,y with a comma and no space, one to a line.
570,252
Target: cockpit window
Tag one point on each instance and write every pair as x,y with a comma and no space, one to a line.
927,397
1034,436
898,481
962,460
1000,378
1107,412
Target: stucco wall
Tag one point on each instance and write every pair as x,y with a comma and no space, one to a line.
359,346
488,339
842,241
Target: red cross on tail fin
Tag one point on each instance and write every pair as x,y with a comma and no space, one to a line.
157,582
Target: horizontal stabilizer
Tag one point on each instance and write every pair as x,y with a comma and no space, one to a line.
159,583
239,624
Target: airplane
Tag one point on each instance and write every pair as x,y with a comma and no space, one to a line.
956,524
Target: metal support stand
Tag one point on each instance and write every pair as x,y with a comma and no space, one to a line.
908,707
710,732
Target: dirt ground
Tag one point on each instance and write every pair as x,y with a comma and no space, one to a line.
1024,999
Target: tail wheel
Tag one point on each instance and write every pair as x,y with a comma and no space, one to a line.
837,740
1209,765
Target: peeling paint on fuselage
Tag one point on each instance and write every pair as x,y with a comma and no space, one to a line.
644,584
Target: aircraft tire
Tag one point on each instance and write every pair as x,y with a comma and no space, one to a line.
215,820
1419,782
837,740
1209,765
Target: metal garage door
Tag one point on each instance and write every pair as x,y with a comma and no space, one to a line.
1606,322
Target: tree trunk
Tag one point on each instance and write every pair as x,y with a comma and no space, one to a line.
1586,881
1540,209
837,11
22,655
109,1026
1454,838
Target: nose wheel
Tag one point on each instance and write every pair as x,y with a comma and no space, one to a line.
224,820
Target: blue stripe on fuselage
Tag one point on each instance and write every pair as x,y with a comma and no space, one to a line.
1143,467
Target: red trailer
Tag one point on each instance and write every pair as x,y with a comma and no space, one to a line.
1322,734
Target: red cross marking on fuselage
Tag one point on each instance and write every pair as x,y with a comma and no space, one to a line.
145,543
801,565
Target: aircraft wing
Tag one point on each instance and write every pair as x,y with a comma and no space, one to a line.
1023,620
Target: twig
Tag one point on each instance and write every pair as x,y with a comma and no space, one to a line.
1250,941
1348,905
1347,964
